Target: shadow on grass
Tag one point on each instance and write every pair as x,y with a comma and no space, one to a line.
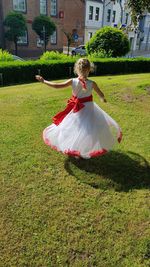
117,170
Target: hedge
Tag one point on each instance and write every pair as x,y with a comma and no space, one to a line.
24,72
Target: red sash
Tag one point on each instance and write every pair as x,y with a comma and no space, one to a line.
74,104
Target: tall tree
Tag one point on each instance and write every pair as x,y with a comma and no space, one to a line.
69,40
44,28
138,7
16,24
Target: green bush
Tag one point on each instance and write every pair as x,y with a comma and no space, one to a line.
100,54
24,72
5,56
109,39
121,65
49,55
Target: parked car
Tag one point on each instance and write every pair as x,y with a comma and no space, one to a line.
79,50
17,58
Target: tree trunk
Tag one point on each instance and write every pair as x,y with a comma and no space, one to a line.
68,48
45,45
16,47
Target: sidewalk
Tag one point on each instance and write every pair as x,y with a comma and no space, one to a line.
139,53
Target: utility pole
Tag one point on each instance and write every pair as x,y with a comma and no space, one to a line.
44,38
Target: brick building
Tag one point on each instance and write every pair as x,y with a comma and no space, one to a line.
68,15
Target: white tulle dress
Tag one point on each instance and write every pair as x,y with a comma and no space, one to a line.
83,129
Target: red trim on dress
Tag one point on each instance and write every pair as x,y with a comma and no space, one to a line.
74,104
97,153
75,153
47,142
119,137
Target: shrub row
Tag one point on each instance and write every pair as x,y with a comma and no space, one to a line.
24,72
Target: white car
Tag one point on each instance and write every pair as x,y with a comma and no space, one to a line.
17,58
79,50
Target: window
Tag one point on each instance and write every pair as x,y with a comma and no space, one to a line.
97,14
89,35
127,16
90,12
19,5
114,16
53,8
43,7
108,15
40,42
53,38
23,40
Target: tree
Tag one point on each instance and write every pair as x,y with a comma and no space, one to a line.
109,39
69,40
44,28
138,7
16,24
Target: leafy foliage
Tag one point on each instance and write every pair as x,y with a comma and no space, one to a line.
100,54
5,56
16,24
44,27
50,55
109,38
139,6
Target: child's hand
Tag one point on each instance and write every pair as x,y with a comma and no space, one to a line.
39,78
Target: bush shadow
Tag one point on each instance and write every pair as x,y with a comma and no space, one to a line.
118,170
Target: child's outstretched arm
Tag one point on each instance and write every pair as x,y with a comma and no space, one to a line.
53,84
99,92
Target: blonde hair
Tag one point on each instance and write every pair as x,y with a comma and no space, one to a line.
82,67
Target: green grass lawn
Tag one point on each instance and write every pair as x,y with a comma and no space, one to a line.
59,211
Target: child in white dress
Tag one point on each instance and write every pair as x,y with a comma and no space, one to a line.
83,129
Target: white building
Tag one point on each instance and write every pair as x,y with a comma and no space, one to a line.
115,13
143,38
93,17
101,13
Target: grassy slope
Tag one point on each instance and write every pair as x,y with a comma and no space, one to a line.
58,211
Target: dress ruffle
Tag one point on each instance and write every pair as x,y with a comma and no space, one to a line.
88,133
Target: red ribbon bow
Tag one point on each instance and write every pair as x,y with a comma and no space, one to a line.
74,104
